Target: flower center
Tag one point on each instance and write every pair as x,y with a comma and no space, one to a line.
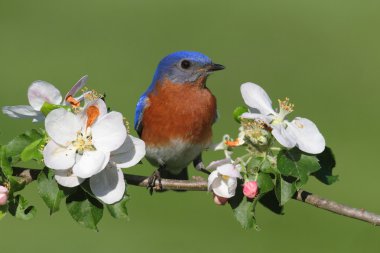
225,177
83,143
285,108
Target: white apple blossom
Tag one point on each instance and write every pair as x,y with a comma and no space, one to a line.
223,180
40,92
92,144
300,132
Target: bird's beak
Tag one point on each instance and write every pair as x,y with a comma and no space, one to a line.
215,67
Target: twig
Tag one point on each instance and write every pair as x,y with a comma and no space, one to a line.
28,175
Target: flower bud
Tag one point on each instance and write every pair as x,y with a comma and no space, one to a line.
3,195
250,189
220,200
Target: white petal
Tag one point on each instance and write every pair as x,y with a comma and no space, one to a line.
130,153
91,163
214,164
58,157
224,188
62,126
109,132
67,179
21,111
265,118
228,170
108,185
307,135
40,92
211,178
77,87
282,136
256,97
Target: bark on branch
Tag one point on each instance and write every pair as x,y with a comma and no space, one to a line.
28,175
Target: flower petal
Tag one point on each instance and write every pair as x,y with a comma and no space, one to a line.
40,92
257,116
211,179
224,188
108,185
22,111
109,132
256,98
62,126
77,87
282,136
214,164
130,153
66,178
91,163
307,135
228,170
58,157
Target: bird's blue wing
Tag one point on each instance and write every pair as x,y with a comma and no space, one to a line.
140,107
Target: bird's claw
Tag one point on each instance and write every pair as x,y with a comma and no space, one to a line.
152,182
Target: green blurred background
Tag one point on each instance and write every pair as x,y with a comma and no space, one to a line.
324,55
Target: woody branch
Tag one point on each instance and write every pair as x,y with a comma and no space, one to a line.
28,175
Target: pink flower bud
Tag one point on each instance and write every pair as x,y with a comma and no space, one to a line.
220,200
250,189
3,195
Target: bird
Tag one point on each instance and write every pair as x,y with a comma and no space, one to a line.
174,116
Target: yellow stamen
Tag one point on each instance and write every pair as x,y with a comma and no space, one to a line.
286,105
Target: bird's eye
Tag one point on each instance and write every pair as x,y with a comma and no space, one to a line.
185,64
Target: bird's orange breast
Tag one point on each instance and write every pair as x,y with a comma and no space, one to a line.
178,111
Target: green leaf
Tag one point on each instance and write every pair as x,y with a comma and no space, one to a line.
3,211
47,108
49,191
284,190
242,208
296,164
18,144
327,162
84,209
16,184
269,200
264,182
19,207
32,151
5,163
238,112
119,209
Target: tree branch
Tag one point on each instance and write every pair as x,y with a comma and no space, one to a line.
28,175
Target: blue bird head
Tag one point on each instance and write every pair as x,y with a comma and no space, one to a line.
184,67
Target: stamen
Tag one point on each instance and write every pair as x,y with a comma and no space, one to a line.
286,105
74,103
92,114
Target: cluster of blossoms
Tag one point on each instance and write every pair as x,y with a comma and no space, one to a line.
86,141
261,129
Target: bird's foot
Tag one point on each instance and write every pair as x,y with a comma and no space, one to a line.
156,176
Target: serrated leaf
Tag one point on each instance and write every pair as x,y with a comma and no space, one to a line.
327,163
284,190
49,191
20,208
264,182
238,112
19,143
47,108
32,151
296,164
84,209
5,163
242,208
119,209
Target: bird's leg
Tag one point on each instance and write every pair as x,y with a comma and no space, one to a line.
152,180
198,164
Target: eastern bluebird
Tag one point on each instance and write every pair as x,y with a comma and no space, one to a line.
175,114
